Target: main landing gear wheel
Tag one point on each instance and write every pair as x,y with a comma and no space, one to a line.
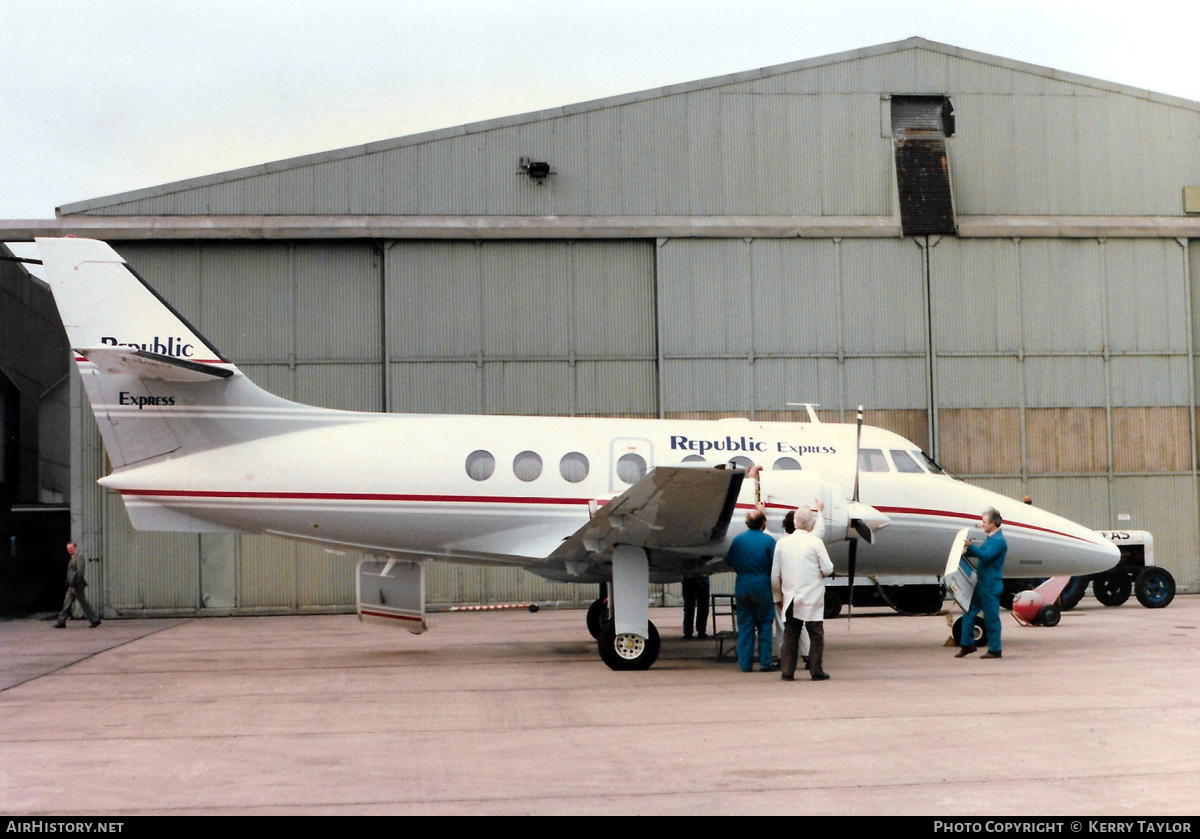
1073,593
1112,589
1155,587
597,617
980,632
628,651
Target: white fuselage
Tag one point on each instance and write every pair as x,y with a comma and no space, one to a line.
399,484
195,446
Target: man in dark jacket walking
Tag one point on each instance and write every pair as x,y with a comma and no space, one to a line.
76,583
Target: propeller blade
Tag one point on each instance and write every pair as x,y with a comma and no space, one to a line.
857,449
850,582
857,523
864,530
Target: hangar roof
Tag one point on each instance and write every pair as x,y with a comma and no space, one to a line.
842,174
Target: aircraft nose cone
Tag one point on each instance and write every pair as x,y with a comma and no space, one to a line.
1106,554
1087,553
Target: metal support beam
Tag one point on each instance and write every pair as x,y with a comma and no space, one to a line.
237,227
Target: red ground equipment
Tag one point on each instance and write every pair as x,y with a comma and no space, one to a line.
1038,606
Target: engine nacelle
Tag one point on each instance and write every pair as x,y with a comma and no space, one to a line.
791,488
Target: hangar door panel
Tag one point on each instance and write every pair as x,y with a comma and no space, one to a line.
1073,359
300,318
565,328
750,325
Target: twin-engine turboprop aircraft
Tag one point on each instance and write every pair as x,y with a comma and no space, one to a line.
196,446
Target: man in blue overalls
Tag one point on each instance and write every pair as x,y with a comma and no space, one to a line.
988,584
750,555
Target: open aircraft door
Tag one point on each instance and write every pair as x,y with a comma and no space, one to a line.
959,575
392,592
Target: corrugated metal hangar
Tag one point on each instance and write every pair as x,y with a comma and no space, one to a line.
995,258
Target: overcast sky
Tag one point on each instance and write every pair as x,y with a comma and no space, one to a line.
105,96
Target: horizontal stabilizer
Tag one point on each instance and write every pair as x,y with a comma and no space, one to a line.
148,365
158,389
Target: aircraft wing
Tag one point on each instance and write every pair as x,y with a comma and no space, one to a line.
671,507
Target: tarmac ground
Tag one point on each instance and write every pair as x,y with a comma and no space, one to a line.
513,713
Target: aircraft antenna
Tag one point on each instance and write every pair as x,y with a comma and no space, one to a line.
810,407
854,542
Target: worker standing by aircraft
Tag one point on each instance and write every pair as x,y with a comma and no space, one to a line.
988,584
750,555
789,527
695,606
798,575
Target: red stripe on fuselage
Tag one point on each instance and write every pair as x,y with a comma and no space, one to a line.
918,511
517,499
354,496
946,514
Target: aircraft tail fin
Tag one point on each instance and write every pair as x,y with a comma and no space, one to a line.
157,387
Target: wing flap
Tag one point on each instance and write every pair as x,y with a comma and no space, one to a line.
671,507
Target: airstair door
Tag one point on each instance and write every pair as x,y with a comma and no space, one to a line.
392,592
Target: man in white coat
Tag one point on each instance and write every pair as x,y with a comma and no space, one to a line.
789,527
798,574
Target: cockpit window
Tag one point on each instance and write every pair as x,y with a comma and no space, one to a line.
904,462
929,463
872,460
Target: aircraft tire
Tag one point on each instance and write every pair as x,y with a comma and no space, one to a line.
1112,589
1049,615
597,617
634,652
980,631
1073,593
1155,587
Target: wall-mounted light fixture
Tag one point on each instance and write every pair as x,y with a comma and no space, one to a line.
537,170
